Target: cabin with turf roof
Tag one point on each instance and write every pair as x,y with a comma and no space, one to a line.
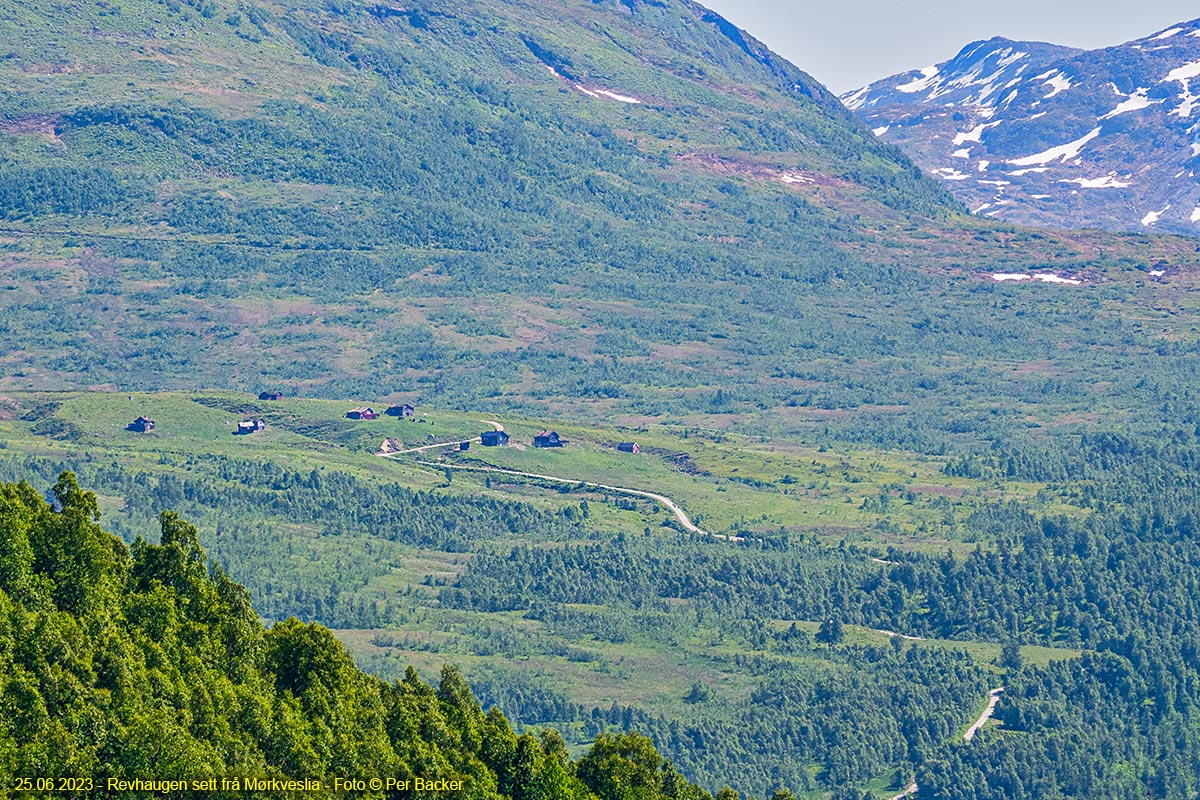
362,413
548,439
271,396
401,411
629,447
141,425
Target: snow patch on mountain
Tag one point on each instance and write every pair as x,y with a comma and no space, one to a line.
854,101
950,174
1105,182
1184,73
919,84
1057,81
1011,57
1064,152
595,91
1167,34
606,94
1154,216
1188,102
620,98
973,134
1044,277
1136,102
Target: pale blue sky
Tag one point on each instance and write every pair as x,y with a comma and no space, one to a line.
848,43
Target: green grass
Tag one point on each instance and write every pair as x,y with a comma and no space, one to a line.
734,482
982,652
725,482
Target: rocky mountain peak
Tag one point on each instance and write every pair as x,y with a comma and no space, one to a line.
1041,134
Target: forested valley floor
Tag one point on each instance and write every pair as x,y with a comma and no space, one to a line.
851,657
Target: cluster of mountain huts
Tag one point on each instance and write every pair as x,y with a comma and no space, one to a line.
546,439
404,411
543,439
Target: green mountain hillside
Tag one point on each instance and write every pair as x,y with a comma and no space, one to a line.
455,202
399,96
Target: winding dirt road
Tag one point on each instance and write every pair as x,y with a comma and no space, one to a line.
426,447
993,698
678,512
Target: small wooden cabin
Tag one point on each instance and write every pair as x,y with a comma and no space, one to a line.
494,438
547,439
141,425
248,426
362,413
629,447
402,411
271,396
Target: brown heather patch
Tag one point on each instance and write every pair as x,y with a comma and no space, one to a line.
261,311
69,276
947,491
745,168
681,352
44,124
1037,368
1089,418
591,408
637,421
63,69
622,308
531,331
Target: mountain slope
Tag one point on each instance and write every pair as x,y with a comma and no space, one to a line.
460,203
313,68
1050,136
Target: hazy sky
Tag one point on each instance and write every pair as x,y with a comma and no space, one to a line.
848,43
